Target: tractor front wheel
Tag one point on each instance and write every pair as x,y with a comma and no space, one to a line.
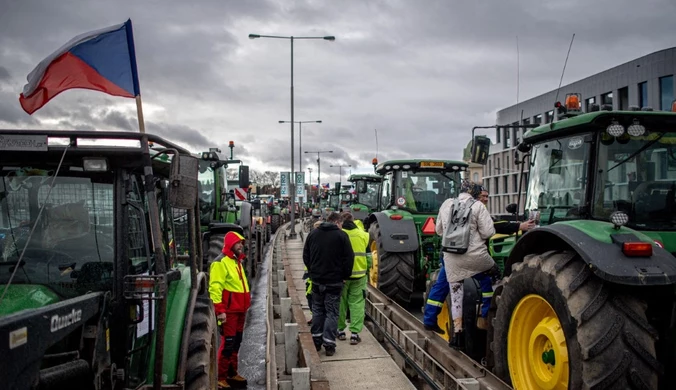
392,273
558,326
215,249
202,365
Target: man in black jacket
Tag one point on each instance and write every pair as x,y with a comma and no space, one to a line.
328,257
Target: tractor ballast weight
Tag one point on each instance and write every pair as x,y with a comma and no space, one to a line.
396,235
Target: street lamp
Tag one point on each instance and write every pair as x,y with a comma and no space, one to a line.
319,167
292,233
309,169
300,140
341,171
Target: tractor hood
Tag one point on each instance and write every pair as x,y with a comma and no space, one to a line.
26,296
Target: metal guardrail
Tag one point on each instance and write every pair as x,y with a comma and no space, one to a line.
439,365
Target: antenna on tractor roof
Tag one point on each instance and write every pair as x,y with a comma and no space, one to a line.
517,77
561,80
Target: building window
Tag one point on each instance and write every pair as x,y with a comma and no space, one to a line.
497,134
548,116
643,94
537,119
497,187
624,98
475,178
489,173
486,184
666,92
506,163
515,182
507,143
505,183
588,103
607,98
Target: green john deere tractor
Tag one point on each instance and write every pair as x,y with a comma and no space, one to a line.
94,294
403,244
588,298
366,198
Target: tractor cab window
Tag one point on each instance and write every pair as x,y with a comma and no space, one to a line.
71,249
558,178
637,175
370,197
207,196
386,193
334,201
424,191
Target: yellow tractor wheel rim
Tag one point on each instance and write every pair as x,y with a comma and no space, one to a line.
536,346
373,272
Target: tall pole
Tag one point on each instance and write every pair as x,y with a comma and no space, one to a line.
319,172
310,180
300,146
292,233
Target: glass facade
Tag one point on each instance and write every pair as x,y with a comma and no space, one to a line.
643,94
607,98
537,119
588,103
666,92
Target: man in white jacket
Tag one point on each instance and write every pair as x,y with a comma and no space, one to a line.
476,260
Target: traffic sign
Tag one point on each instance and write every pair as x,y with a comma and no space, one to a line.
240,193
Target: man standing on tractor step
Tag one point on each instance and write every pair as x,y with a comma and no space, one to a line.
328,257
229,290
354,291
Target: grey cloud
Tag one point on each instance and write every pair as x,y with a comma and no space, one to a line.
4,74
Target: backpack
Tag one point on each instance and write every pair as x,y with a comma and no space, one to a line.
456,235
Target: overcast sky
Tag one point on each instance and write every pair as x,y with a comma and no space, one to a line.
420,72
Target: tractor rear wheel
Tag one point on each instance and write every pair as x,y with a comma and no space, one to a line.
215,249
251,253
202,365
558,326
392,273
275,222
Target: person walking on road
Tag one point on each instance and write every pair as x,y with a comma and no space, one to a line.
328,256
354,291
229,290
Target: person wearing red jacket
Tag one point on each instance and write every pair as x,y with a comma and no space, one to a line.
229,290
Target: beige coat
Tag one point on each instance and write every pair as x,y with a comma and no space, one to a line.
476,259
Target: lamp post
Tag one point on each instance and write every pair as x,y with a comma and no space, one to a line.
292,233
341,171
309,169
300,140
319,167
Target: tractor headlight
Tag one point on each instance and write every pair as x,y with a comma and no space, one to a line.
94,164
615,129
619,218
636,129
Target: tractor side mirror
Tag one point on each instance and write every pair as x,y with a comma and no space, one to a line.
481,146
183,179
362,187
511,208
555,161
244,176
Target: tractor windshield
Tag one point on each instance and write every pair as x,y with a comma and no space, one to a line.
71,248
370,197
638,176
207,195
424,191
557,182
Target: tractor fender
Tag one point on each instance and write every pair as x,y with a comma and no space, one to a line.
360,214
398,236
245,215
605,260
222,228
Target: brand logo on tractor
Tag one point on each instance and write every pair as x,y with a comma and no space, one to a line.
59,322
575,143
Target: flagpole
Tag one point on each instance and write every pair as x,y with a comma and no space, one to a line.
134,72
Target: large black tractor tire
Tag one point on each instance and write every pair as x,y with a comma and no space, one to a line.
202,365
268,233
395,271
215,249
606,334
251,253
275,222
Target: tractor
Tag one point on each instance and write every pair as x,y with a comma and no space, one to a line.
274,212
94,294
403,243
587,299
366,198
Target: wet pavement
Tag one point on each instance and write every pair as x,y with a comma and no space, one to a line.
253,349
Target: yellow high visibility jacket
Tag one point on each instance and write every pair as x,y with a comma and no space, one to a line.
359,224
228,286
359,240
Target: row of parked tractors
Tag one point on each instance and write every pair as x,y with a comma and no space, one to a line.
584,300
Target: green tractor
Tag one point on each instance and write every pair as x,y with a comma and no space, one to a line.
403,244
588,298
94,294
366,198
274,211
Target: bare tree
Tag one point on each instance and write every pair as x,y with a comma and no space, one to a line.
232,174
257,177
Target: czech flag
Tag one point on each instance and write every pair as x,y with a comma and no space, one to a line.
103,60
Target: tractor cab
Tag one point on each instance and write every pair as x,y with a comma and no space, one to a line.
367,189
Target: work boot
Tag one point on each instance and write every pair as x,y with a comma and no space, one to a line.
330,350
435,328
458,341
223,385
355,339
237,382
482,323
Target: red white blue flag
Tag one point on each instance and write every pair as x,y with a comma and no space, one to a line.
103,60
